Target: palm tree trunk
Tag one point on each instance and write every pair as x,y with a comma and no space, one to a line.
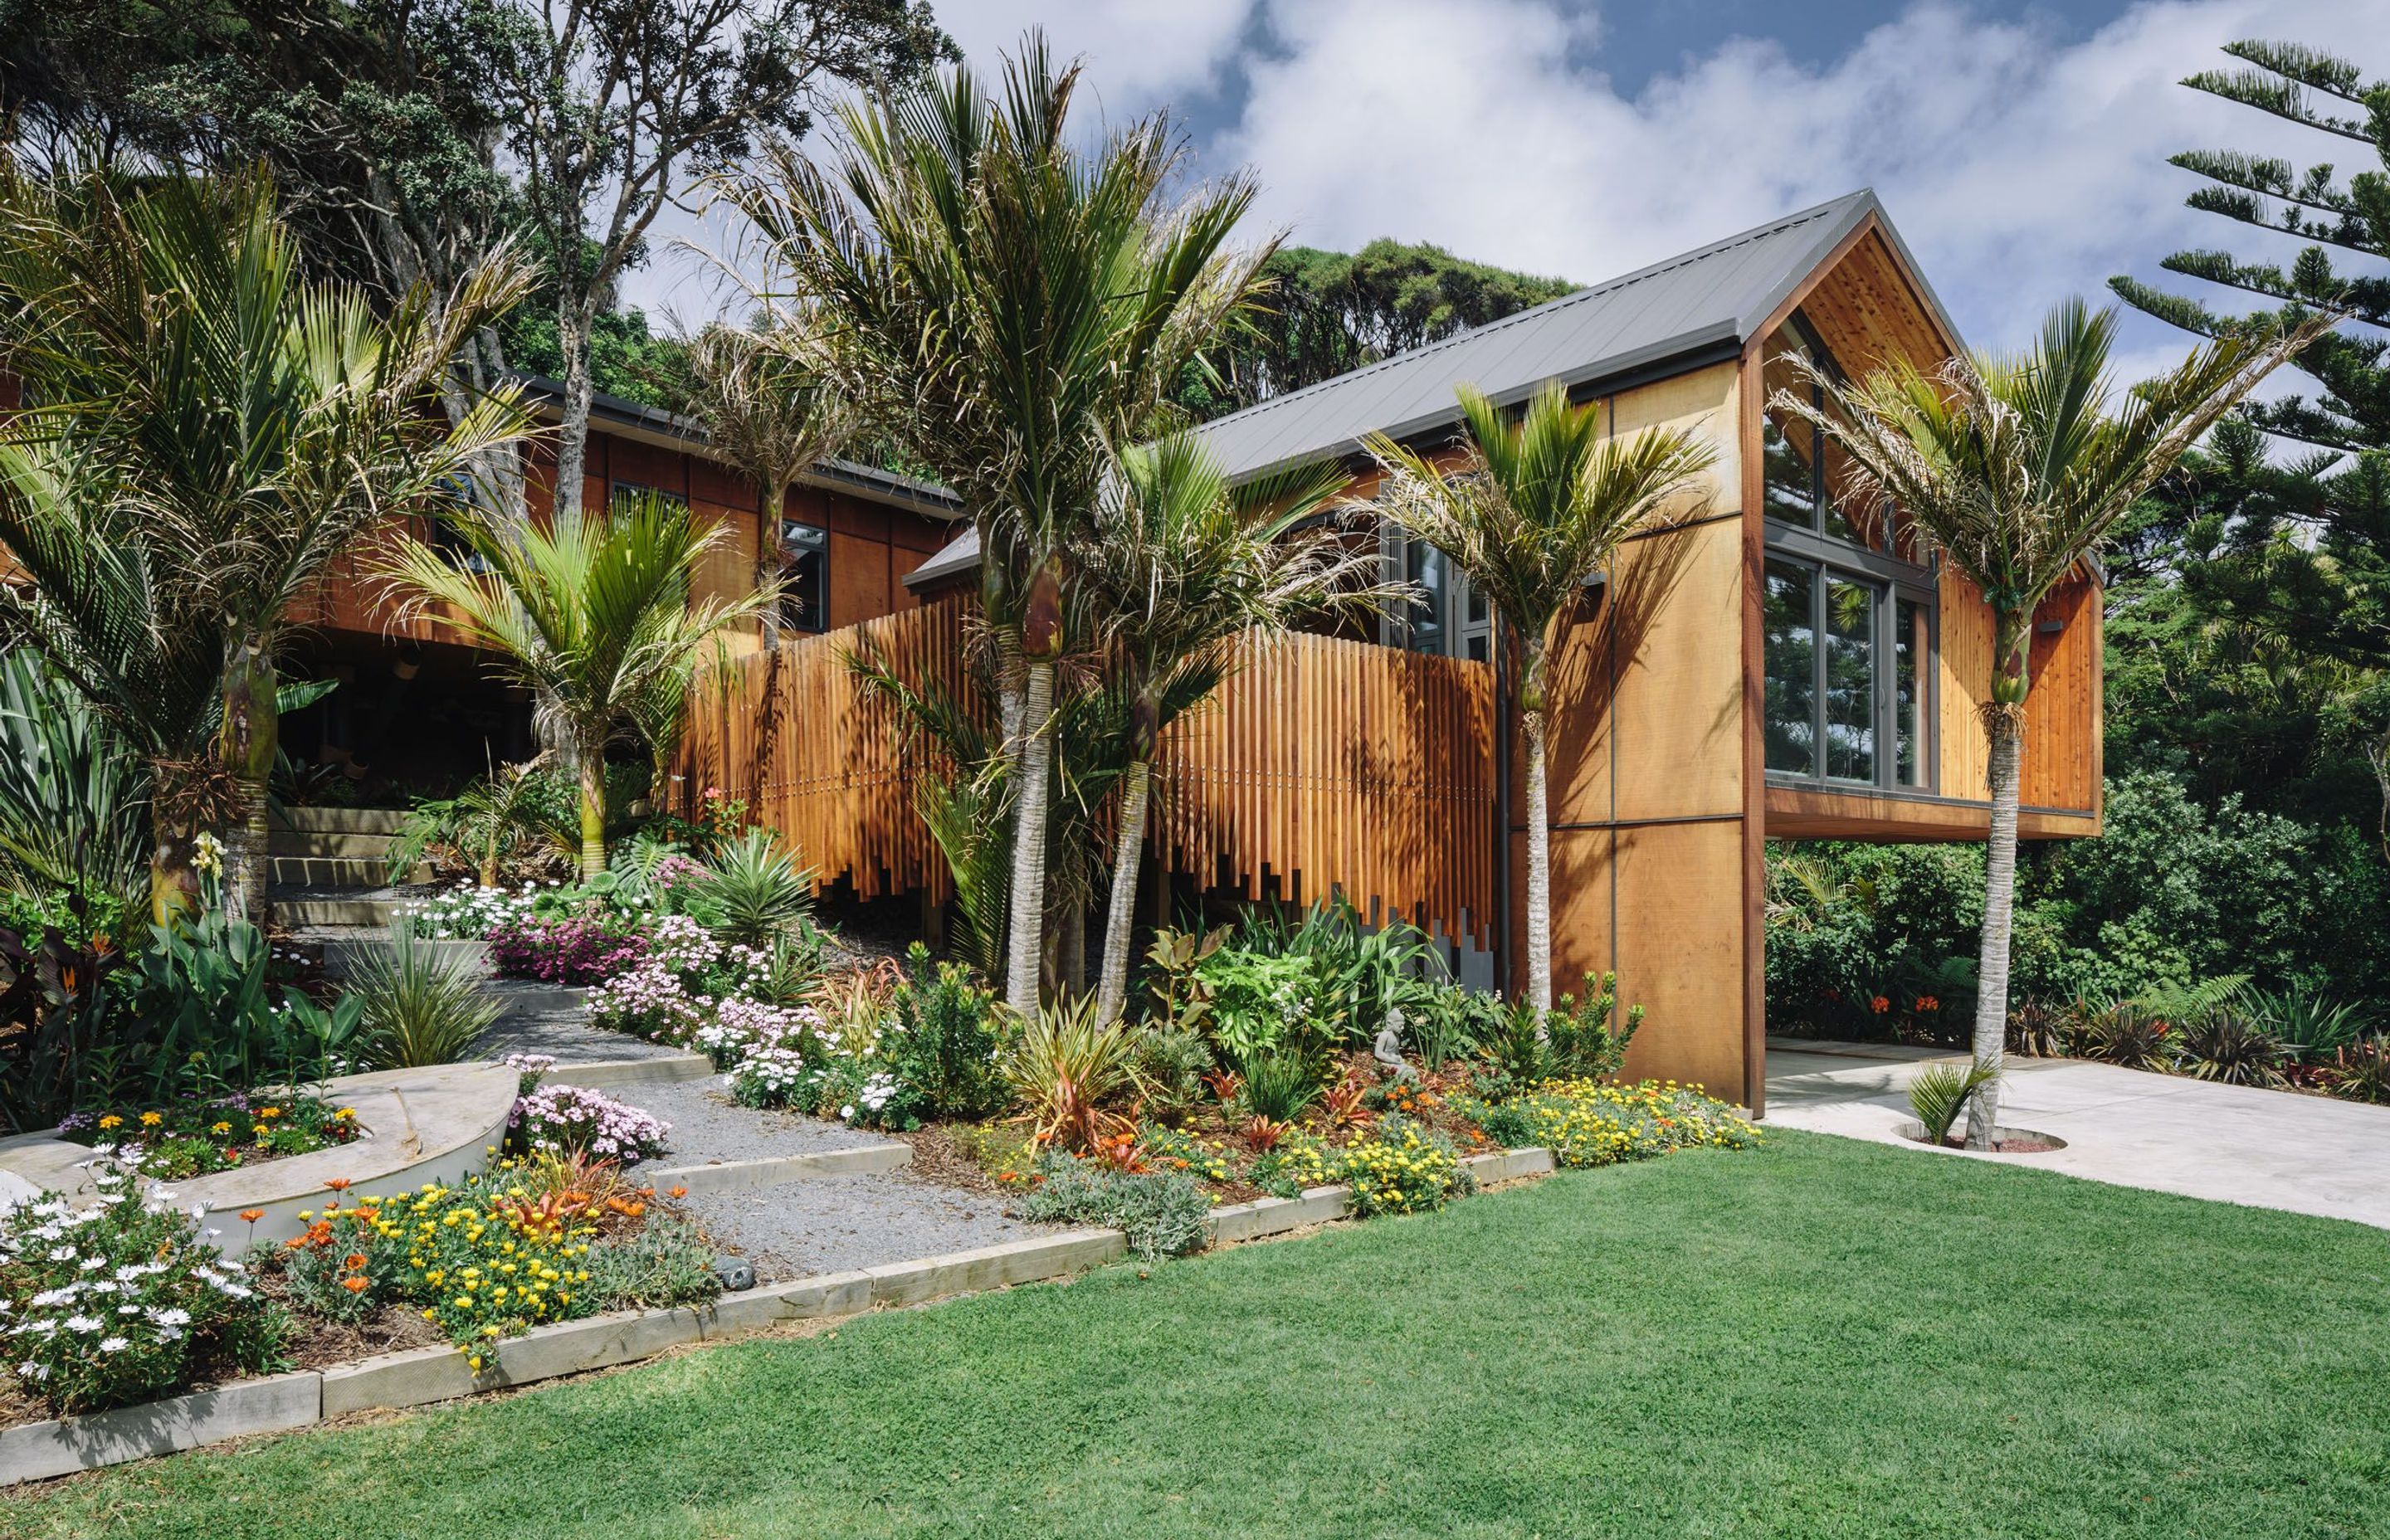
1111,992
573,328
1539,869
1999,898
245,744
1026,912
2004,723
593,810
174,885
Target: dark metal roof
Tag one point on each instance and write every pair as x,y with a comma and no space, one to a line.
1692,309
865,481
1708,301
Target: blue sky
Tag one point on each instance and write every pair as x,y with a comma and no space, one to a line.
2019,147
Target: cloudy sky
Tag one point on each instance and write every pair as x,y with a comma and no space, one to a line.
2019,147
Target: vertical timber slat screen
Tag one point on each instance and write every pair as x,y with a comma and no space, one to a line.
1322,765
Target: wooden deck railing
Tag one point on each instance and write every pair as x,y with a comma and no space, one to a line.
1322,765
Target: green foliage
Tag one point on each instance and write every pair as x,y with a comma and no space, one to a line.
1938,1093
1278,1086
63,1023
756,888
1356,974
518,825
666,1263
1401,1166
2313,1027
2123,1033
2227,1043
1160,1211
1583,1045
942,1040
73,803
419,1008
1451,1023
1583,1124
210,1018
1067,1067
1263,1003
1330,312
2361,1072
1171,1062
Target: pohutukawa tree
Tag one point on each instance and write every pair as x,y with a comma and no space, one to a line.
207,432
595,618
1008,294
2015,469
1530,509
1182,567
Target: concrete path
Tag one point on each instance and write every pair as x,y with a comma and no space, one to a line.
2274,1150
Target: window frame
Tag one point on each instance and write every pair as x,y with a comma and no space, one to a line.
1889,594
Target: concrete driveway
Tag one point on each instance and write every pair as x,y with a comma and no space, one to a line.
2275,1149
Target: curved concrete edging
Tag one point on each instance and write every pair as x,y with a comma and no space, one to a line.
395,1381
434,1124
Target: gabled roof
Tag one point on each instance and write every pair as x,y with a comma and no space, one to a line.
1697,308
670,430
1656,320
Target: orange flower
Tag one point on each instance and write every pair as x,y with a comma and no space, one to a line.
253,1215
354,1262
1881,1005
338,1184
677,1192
354,1284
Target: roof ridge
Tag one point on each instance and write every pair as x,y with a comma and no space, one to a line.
1575,296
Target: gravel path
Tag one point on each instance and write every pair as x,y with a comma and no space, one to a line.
831,1224
554,1020
707,1125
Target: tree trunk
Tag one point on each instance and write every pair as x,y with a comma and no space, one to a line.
1026,912
2004,725
1539,869
245,745
1119,920
593,810
174,885
573,427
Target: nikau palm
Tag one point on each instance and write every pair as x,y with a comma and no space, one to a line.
1531,509
2015,469
1007,300
207,432
594,619
1183,566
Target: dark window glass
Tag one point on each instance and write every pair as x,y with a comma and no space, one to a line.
1908,654
1431,570
1850,679
621,490
804,577
1788,448
1792,668
1848,514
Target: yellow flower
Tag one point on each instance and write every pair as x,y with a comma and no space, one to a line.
151,1120
111,1121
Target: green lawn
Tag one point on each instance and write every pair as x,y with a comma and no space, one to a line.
1820,1338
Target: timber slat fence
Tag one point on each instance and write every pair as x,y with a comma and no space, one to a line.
1322,765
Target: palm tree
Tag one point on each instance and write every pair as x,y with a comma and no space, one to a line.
2015,469
1184,565
1532,510
1006,297
770,411
239,428
594,619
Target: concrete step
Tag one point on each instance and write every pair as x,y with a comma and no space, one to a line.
309,909
341,820
328,871
331,844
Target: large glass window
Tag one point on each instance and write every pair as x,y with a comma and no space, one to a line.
804,577
1792,649
1848,660
1810,484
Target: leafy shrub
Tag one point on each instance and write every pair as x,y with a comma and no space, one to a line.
941,1043
1160,1211
663,1263
1583,1046
2312,1027
2361,1072
62,1025
420,1008
1171,1062
754,890
1260,1002
2123,1033
2229,1045
1357,974
125,1302
1278,1086
574,1120
1401,1167
1938,1093
1065,1066
1449,1023
1583,1124
520,824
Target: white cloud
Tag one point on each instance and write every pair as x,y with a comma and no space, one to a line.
2021,169
1138,52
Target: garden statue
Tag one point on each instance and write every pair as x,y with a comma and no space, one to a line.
1389,1048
